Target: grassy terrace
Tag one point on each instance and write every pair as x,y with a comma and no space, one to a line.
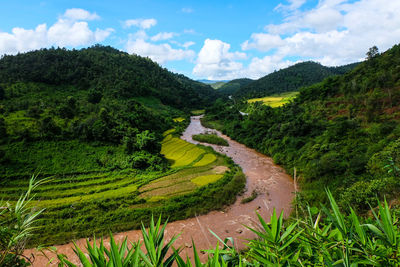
275,100
95,201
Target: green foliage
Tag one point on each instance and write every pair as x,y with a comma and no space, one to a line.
17,225
233,86
288,80
211,139
322,237
339,133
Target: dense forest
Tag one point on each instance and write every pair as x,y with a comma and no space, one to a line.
287,80
342,133
231,87
55,99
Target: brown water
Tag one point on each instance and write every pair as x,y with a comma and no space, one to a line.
274,187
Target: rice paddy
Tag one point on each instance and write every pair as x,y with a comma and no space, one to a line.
275,100
85,203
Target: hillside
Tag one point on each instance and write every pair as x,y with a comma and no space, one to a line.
231,87
342,133
289,79
95,122
106,70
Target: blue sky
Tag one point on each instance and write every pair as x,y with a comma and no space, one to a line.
208,39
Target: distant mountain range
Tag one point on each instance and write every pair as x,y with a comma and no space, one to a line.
285,80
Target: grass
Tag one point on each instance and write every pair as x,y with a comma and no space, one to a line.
210,138
206,179
197,112
205,160
275,100
89,198
179,119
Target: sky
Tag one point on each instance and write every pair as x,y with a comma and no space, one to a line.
216,40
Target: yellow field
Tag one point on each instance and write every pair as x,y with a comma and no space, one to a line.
179,119
205,160
182,153
275,100
207,179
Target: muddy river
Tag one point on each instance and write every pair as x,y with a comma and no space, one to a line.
274,187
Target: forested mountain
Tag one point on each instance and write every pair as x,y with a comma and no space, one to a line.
105,70
107,108
290,79
342,133
231,87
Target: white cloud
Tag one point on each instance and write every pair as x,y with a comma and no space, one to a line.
75,33
160,53
187,10
335,32
79,14
141,23
71,29
189,31
188,44
293,5
263,42
216,62
163,36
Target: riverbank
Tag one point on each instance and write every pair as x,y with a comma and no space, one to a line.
274,190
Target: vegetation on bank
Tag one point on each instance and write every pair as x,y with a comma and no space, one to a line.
318,237
342,133
210,138
84,204
94,121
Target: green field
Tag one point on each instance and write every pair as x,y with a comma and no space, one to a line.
86,201
275,100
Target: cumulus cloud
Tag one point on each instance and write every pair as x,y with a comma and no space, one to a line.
293,5
70,29
160,53
141,23
163,36
334,32
216,62
80,14
263,42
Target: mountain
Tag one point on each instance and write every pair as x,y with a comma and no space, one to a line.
231,87
212,81
342,133
104,69
92,101
290,79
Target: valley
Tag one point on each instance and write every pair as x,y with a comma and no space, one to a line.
275,189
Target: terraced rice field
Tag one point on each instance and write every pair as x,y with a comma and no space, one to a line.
275,100
81,204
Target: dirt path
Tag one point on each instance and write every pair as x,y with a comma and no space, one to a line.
274,187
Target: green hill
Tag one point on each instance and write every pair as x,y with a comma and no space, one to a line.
94,121
289,79
342,133
231,87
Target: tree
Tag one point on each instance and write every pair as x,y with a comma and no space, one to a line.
2,93
372,52
94,96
